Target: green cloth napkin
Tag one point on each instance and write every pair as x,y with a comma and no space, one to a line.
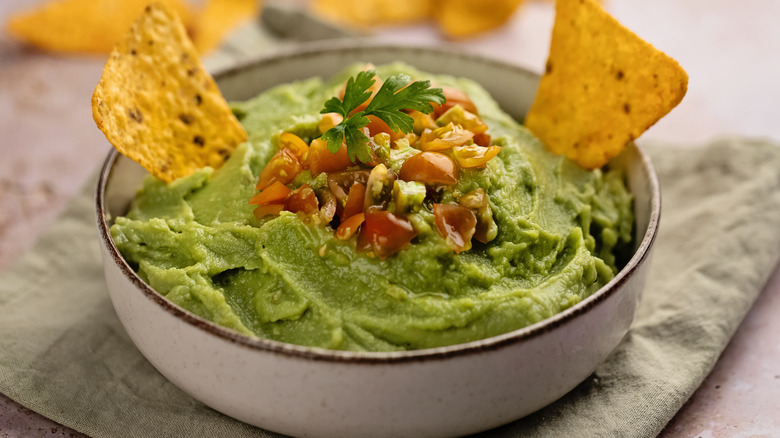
64,354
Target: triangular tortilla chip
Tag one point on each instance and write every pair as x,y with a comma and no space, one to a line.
603,86
157,104
85,26
218,17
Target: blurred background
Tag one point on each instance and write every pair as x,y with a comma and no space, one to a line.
51,59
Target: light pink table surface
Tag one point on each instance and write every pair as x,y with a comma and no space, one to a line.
49,146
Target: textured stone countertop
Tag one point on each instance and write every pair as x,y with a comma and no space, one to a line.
50,146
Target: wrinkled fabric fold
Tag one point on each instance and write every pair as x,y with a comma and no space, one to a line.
64,354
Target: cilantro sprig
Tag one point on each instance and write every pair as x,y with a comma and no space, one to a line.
387,105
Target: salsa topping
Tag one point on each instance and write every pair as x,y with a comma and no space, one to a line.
387,151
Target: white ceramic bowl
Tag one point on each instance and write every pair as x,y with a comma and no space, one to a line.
446,391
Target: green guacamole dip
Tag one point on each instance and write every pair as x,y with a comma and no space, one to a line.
562,232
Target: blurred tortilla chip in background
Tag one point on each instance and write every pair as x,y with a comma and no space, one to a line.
603,86
363,14
94,26
455,18
465,18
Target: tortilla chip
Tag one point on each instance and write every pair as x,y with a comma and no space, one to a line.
366,13
84,26
603,86
218,17
465,18
157,104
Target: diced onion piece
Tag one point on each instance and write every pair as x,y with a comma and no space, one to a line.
294,144
473,155
474,199
466,119
456,225
268,209
323,160
328,121
347,228
340,183
384,233
302,200
274,194
430,168
444,138
355,200
454,97
283,167
477,201
379,187
327,205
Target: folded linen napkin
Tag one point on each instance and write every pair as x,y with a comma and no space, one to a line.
64,354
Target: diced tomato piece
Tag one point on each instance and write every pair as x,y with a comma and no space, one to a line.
323,160
430,168
384,233
302,200
355,200
268,209
328,121
454,97
456,224
295,145
377,125
473,155
481,231
327,205
274,194
347,228
482,139
283,167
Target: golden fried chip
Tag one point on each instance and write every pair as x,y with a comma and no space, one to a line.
157,105
86,26
465,18
603,86
366,13
218,17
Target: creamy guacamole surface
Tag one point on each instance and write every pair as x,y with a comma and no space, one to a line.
562,233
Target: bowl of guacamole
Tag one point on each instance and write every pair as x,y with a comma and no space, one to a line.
431,288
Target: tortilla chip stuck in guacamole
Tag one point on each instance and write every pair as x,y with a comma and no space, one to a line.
603,86
157,104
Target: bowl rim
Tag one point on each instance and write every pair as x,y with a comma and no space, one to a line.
438,353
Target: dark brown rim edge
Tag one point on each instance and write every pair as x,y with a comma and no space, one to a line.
320,354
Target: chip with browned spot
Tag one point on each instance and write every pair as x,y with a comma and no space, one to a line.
157,104
603,86
85,26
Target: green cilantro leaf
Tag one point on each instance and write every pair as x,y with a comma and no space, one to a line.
395,95
355,93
